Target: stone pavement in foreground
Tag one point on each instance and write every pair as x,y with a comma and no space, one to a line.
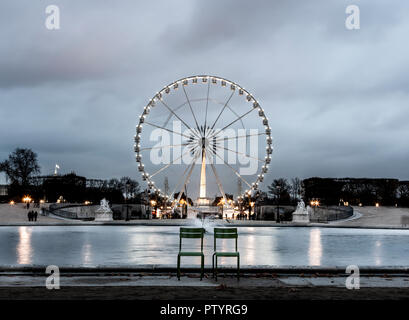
170,280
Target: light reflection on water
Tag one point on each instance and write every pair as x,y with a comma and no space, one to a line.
136,245
315,248
24,250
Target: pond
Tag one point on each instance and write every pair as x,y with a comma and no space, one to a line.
141,245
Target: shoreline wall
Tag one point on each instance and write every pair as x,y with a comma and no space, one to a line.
319,214
87,212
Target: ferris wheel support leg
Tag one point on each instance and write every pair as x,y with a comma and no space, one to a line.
218,182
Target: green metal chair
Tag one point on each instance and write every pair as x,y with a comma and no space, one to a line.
225,233
192,233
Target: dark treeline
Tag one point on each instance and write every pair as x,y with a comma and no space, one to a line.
338,191
22,169
355,191
76,189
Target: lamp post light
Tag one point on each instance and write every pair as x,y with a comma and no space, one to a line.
183,202
314,204
251,207
221,204
27,200
127,186
153,205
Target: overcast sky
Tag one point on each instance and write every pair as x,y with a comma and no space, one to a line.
337,99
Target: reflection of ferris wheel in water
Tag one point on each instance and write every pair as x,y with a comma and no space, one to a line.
200,120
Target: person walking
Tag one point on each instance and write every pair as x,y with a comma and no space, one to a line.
35,215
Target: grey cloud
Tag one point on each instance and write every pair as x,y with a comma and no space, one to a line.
337,100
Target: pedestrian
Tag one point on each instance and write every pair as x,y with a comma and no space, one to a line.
35,215
30,216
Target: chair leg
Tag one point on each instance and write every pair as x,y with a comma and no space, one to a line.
178,268
213,265
216,268
202,268
238,268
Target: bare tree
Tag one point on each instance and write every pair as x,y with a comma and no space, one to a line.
296,188
20,166
128,187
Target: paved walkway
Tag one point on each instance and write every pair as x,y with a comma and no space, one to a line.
376,217
18,214
365,217
193,280
166,286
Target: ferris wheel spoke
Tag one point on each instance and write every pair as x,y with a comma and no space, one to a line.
188,176
171,114
233,122
177,116
228,100
167,146
181,177
171,131
218,180
235,113
169,164
191,109
246,155
236,137
234,170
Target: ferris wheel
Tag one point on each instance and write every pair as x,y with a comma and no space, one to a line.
204,134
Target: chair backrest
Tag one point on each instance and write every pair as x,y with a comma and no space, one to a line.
192,233
225,233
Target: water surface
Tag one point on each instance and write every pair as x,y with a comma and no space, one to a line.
136,245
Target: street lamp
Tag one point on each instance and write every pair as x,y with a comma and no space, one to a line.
221,204
127,186
153,205
278,204
252,203
27,200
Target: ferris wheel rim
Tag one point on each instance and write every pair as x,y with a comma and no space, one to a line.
253,187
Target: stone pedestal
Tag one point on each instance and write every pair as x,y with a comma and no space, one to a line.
301,214
104,212
203,201
303,218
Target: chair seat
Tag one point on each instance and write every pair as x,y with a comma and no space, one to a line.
226,254
190,254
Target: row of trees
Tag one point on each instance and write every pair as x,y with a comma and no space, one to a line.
357,191
283,191
334,191
22,166
114,190
21,169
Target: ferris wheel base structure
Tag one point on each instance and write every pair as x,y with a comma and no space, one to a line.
203,201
